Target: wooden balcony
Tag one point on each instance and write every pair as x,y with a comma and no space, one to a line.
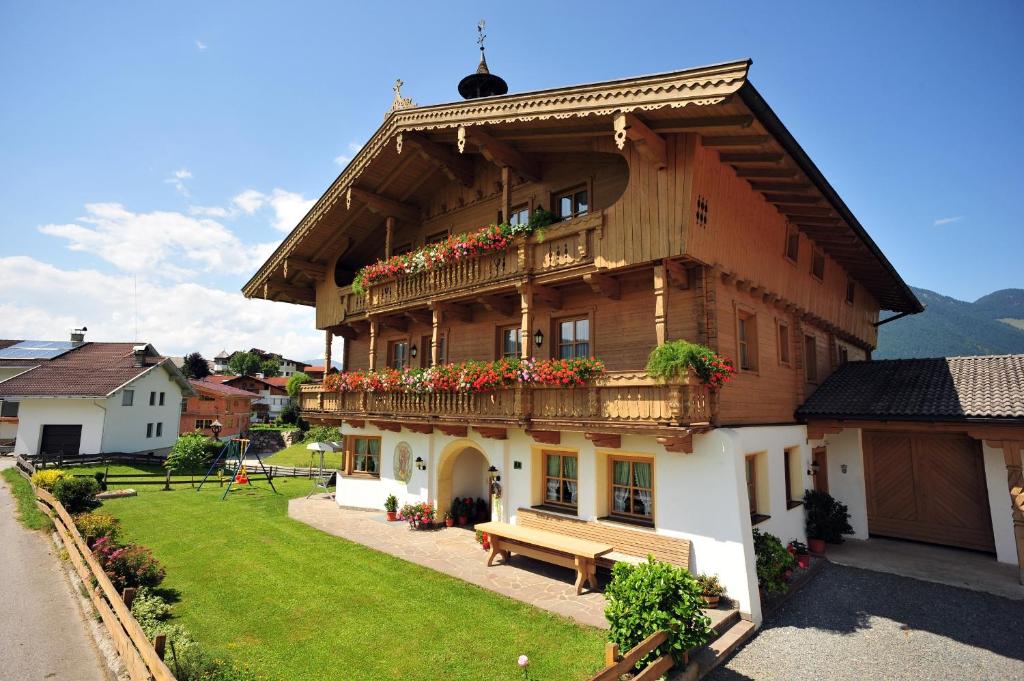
565,247
619,402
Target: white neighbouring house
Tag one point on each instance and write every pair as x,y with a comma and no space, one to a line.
91,398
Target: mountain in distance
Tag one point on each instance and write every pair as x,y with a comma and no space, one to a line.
991,325
320,362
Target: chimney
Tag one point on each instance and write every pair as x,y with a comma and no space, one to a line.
139,355
78,336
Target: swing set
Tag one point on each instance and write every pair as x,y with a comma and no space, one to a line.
236,447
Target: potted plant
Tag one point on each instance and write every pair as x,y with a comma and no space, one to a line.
465,510
391,506
799,550
448,520
481,510
712,589
826,520
772,561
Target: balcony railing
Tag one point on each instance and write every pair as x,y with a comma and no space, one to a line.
626,398
565,245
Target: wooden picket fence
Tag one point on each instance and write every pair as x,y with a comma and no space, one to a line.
616,665
137,652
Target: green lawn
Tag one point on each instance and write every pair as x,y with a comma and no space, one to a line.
296,603
298,455
28,513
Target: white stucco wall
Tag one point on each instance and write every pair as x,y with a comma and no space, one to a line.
999,505
35,413
124,429
847,485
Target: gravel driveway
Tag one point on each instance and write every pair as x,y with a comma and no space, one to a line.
857,624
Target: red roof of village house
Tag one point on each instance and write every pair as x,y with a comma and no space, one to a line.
222,389
317,368
279,381
89,370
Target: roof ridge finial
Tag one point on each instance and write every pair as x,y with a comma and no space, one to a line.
399,101
480,38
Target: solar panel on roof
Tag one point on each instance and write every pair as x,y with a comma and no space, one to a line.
31,349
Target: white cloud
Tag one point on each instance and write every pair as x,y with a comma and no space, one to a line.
177,179
343,159
947,221
200,45
164,243
38,300
288,207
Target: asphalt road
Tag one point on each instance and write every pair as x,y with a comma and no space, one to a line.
43,635
852,624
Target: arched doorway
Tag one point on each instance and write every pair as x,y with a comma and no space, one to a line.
462,472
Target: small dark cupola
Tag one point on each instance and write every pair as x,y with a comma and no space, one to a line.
483,83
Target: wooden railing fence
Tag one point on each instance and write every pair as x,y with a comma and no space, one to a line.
136,651
616,665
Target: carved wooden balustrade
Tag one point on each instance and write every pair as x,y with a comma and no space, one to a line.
563,246
618,398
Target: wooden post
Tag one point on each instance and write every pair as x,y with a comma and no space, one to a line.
167,481
373,345
128,595
389,235
525,305
611,653
160,645
328,339
1015,485
435,333
506,194
659,304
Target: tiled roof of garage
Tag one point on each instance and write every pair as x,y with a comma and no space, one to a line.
939,389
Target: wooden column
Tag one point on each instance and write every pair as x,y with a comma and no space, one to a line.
1015,485
373,345
525,308
328,338
389,235
506,193
435,334
659,304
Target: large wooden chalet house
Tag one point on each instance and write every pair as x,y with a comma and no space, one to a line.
684,210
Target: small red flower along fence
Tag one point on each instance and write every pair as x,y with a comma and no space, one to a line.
470,377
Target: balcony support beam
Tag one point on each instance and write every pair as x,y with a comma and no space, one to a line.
604,440
424,428
547,437
435,334
391,426
683,443
457,169
372,365
293,266
603,284
355,423
389,235
678,274
660,305
492,433
502,306
499,153
547,295
385,206
525,310
452,430
420,316
648,143
328,341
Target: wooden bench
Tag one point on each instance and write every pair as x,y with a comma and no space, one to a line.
570,552
630,545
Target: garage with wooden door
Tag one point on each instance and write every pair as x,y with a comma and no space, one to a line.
928,488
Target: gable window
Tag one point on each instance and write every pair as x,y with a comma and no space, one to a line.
560,485
162,395
149,430
363,455
792,250
519,215
811,358
851,290
127,398
746,339
436,237
398,354
572,203
794,482
510,342
818,264
783,334
573,338
159,429
632,488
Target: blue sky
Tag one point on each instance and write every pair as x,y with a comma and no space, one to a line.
166,148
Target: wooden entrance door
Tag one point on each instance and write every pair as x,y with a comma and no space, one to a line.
64,440
819,457
927,488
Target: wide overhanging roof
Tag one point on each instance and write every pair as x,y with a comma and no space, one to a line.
718,102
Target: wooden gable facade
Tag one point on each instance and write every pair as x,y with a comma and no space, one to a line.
687,212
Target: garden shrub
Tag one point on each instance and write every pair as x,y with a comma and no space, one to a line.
48,478
825,517
190,452
653,596
322,434
94,526
772,562
150,609
77,494
128,566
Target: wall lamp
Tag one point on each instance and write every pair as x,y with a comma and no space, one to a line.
420,463
493,472
413,351
538,338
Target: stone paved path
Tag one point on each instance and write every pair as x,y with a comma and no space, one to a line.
454,551
42,631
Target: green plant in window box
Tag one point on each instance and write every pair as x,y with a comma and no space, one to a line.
673,360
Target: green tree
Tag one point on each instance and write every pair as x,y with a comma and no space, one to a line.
195,366
189,453
271,367
294,381
244,364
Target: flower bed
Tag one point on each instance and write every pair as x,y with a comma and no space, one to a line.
456,247
470,377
